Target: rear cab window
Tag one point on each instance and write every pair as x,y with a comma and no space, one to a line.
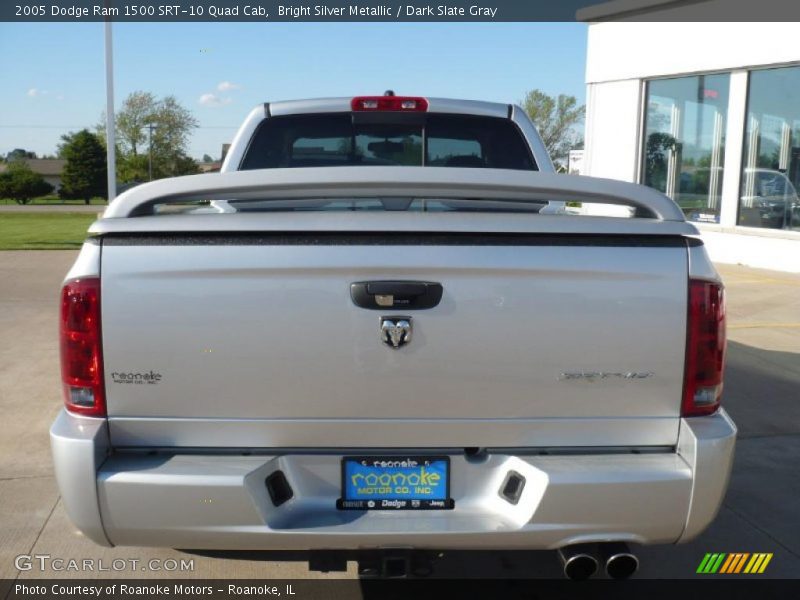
349,139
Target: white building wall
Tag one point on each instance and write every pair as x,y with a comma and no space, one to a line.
752,249
637,50
623,55
612,129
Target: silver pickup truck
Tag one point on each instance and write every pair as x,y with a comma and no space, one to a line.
377,356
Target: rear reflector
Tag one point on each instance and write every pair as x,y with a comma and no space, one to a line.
81,352
705,349
389,103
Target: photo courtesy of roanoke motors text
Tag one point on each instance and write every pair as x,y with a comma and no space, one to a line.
375,300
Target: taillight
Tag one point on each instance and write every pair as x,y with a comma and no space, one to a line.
389,103
81,347
705,349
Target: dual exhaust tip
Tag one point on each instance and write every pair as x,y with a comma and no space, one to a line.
581,561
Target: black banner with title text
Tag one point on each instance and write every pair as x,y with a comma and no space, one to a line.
395,589
393,10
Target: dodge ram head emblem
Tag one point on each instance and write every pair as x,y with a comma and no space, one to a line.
395,331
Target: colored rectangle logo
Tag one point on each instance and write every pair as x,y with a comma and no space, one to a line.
734,563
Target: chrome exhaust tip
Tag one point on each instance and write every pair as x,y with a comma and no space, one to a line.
620,562
578,561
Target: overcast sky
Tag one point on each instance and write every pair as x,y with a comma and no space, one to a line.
52,77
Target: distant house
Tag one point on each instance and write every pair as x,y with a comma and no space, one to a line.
213,167
49,168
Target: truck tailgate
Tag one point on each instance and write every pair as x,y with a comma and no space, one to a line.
558,341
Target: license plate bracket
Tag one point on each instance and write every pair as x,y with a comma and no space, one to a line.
395,483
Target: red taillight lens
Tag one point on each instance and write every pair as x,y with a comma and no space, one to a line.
705,349
389,103
81,348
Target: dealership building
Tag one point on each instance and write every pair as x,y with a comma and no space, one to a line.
708,113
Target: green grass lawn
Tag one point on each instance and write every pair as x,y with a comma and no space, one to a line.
47,200
43,231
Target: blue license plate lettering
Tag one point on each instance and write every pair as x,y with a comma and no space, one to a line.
392,483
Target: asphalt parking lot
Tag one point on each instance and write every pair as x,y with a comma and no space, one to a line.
761,512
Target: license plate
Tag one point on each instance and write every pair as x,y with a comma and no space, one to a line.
395,483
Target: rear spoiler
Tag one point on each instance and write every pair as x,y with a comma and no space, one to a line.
438,182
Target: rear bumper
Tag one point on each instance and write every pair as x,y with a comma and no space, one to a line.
219,501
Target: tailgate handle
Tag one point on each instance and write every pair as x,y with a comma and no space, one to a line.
380,295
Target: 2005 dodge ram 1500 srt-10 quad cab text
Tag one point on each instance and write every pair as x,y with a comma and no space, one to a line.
387,324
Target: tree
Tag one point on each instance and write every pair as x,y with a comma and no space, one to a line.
138,111
85,172
185,165
172,125
19,154
5,184
556,119
131,168
207,158
19,182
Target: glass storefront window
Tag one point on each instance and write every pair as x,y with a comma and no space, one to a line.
771,158
684,141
